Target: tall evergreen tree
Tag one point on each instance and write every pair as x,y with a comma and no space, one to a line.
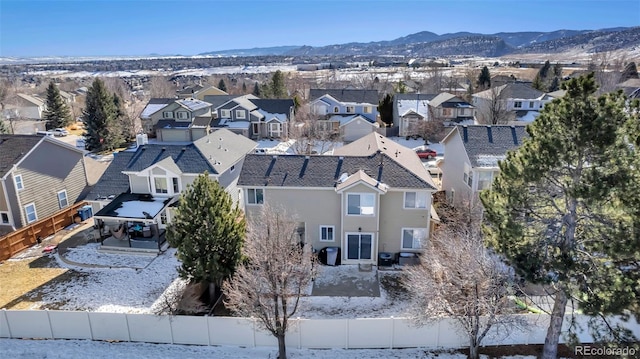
256,90
565,208
385,107
484,79
122,119
222,86
208,231
57,113
277,87
244,87
103,132
537,83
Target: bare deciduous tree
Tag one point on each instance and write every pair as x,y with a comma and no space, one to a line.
460,279
160,86
276,273
493,110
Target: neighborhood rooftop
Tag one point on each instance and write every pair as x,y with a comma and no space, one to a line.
347,95
113,181
516,90
13,148
487,144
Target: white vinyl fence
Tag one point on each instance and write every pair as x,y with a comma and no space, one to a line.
305,333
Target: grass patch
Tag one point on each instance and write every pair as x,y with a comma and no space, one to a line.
20,277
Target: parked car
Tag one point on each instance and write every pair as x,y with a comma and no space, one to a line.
45,133
426,153
60,132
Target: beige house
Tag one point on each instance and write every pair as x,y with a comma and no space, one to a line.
39,176
139,186
199,92
372,196
24,106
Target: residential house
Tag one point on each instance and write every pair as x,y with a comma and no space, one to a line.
630,87
139,187
352,113
371,196
515,101
412,110
176,120
254,117
23,106
199,92
39,176
471,157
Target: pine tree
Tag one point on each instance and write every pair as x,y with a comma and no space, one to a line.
57,113
244,87
484,79
208,231
222,86
385,107
538,83
277,87
4,128
565,208
101,119
122,118
256,90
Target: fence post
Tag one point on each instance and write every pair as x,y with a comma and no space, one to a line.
299,334
253,321
6,318
171,327
49,320
346,321
90,325
438,334
126,319
206,320
393,327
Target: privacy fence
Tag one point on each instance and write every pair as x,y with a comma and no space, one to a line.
305,333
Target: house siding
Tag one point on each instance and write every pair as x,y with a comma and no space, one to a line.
173,135
352,223
139,184
394,217
12,198
44,178
453,168
3,199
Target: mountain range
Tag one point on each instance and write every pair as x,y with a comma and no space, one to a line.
427,44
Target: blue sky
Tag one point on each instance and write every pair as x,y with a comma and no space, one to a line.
189,27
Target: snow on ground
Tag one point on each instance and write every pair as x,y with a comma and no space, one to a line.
72,349
116,290
89,254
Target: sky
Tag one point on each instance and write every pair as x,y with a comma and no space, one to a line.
190,27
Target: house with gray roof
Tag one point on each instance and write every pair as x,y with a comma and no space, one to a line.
254,117
471,157
371,197
199,92
39,176
140,186
23,106
515,101
350,113
411,110
176,120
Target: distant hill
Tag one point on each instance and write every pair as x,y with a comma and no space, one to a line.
427,44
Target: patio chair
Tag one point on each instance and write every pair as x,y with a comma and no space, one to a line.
120,233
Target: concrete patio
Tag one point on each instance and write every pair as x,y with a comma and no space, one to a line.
346,281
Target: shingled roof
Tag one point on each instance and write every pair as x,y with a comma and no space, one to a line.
347,95
186,157
486,145
13,148
113,181
274,105
324,171
516,90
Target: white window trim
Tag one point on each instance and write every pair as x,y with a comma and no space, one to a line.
361,215
8,218
366,109
404,204
225,113
467,175
66,198
167,114
168,177
21,181
277,132
350,109
241,114
255,197
183,115
426,233
516,103
333,233
26,213
336,109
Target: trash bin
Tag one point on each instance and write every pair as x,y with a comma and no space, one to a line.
407,258
385,259
332,256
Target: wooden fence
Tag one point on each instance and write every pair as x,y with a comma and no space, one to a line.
26,237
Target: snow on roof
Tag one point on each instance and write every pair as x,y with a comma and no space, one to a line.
150,109
234,124
419,106
135,209
489,160
280,117
529,116
193,104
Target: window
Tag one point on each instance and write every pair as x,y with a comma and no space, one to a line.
30,211
182,115
336,109
161,185
361,204
176,186
485,178
167,114
255,196
225,113
415,199
62,199
531,104
241,114
467,177
351,109
254,128
517,104
447,112
366,109
19,184
275,129
233,168
412,238
4,217
326,233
